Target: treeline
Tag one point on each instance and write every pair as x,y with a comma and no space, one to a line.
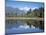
36,12
31,13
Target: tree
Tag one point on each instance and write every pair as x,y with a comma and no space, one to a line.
29,12
35,12
41,10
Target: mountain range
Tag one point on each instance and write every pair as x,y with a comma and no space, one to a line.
14,10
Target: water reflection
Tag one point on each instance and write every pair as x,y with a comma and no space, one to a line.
23,26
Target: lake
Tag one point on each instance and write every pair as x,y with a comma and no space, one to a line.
21,26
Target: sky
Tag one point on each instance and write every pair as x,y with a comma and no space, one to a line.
23,5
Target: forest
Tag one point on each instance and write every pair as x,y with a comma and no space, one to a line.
31,13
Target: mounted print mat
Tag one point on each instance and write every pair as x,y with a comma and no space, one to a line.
24,17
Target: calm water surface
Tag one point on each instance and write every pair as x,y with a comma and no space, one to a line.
20,26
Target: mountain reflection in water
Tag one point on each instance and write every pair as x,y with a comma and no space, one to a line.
21,26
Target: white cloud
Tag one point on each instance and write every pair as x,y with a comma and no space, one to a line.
27,8
21,8
32,26
24,26
34,8
24,8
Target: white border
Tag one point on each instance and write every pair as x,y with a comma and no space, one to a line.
2,18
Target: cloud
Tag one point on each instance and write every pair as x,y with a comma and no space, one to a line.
27,8
24,26
21,8
24,8
34,8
